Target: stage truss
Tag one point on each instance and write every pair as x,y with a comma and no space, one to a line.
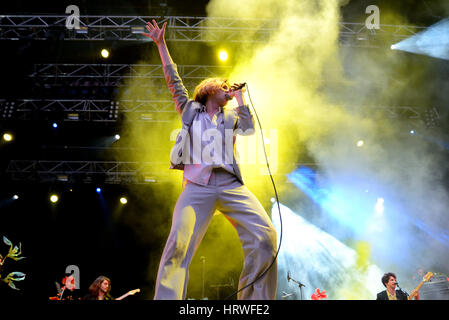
179,28
86,172
150,77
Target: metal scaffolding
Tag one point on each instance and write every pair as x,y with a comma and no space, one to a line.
179,28
149,110
98,172
87,110
150,77
107,172
117,75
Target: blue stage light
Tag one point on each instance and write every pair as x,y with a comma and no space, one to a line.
433,41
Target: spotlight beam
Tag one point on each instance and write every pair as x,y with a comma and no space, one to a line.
432,42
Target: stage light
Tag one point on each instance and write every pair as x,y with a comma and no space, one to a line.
7,137
81,30
146,116
330,195
432,41
314,256
360,143
137,30
223,55
62,177
149,179
105,53
54,198
15,197
98,190
412,132
55,125
117,137
123,200
379,207
73,116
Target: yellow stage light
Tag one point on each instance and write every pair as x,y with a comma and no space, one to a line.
7,137
123,200
223,55
54,198
360,143
104,53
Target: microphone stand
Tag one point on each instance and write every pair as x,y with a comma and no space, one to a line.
300,285
218,286
400,289
203,260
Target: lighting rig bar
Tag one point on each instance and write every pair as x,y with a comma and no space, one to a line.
179,28
150,76
118,74
107,172
95,172
87,110
150,110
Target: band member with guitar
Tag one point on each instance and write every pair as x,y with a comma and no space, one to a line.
389,281
100,290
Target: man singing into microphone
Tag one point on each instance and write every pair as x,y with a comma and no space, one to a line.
389,281
212,181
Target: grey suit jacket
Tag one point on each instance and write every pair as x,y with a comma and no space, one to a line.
240,119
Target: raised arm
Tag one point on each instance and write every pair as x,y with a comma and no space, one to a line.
158,36
174,81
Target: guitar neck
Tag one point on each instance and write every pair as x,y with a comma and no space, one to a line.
415,292
426,278
128,293
123,297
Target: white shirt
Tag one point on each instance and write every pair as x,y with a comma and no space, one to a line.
208,146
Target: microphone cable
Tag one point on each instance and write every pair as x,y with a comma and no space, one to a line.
277,201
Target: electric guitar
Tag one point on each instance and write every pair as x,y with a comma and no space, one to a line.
425,279
130,293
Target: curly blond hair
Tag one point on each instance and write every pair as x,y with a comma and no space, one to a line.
209,87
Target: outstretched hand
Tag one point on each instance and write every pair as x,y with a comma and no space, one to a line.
154,32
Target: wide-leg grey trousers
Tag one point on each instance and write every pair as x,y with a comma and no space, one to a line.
192,214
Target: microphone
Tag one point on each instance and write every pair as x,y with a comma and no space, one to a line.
288,276
238,87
